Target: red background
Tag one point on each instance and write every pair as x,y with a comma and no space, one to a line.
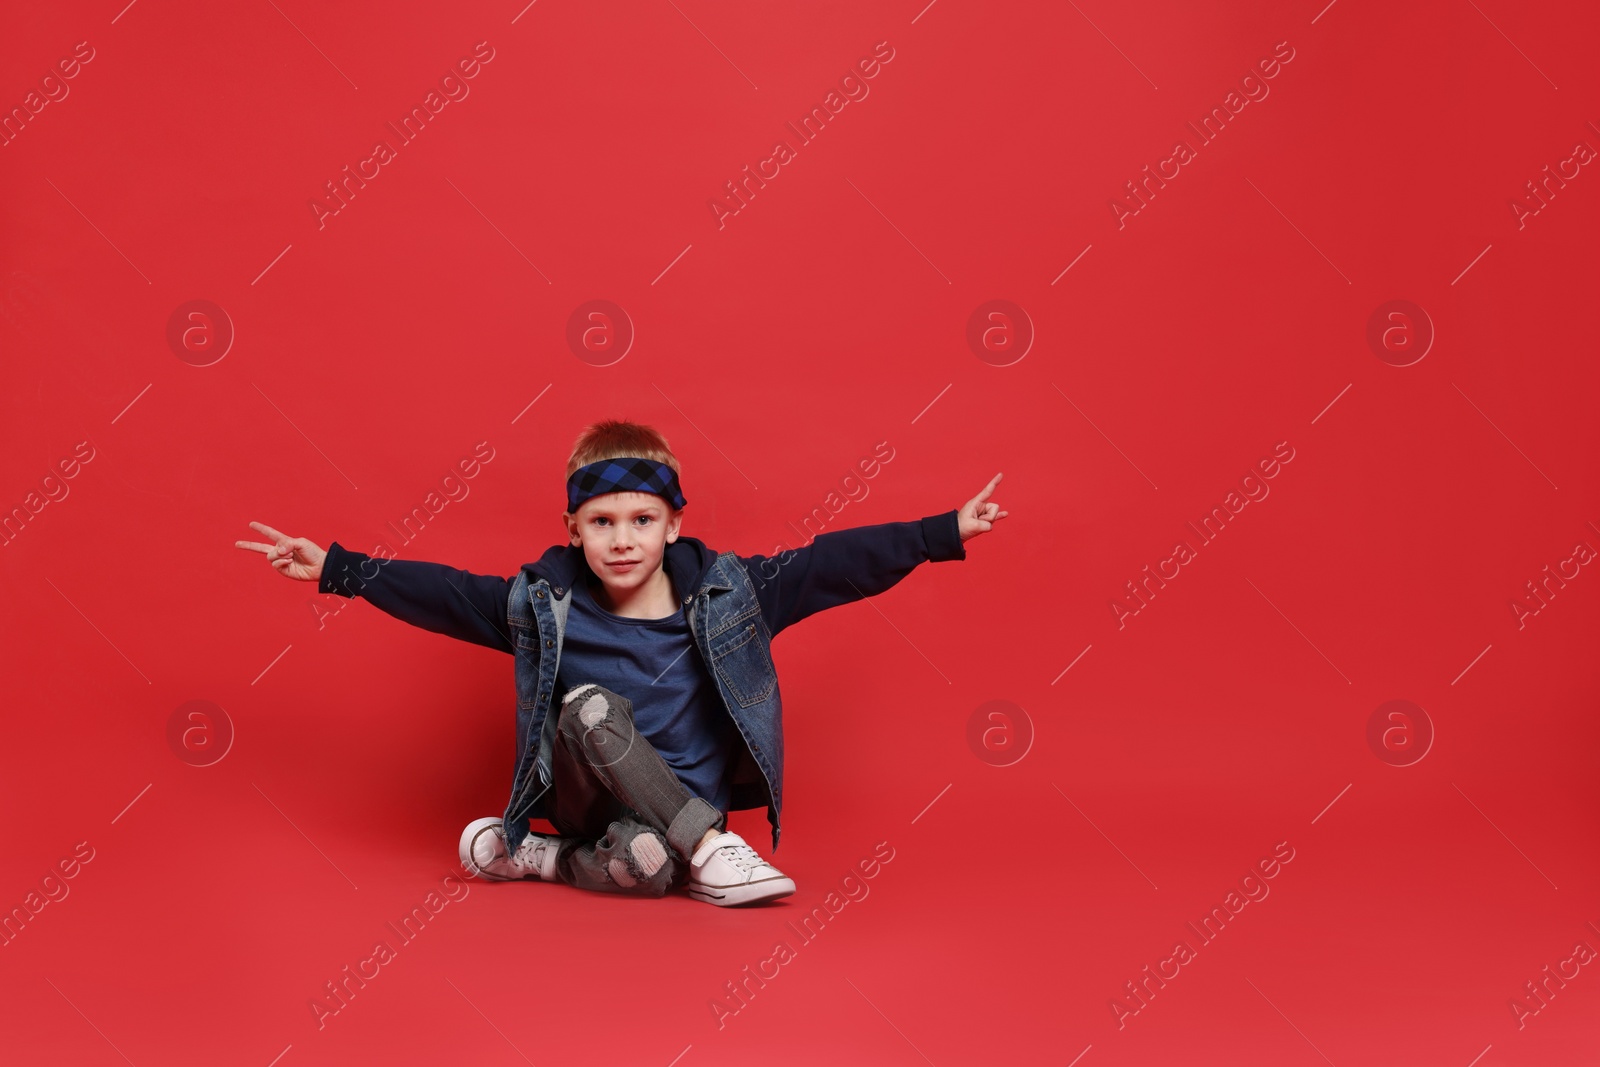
1229,314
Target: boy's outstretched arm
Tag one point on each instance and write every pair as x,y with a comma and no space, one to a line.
847,565
441,599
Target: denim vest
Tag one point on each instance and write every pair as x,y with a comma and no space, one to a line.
732,638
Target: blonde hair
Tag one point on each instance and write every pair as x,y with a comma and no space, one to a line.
618,438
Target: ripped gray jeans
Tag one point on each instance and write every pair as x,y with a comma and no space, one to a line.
628,825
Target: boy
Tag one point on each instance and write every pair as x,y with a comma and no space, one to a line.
651,746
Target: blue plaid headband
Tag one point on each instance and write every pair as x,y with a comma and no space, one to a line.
628,474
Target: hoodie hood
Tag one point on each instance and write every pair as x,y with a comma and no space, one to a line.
686,561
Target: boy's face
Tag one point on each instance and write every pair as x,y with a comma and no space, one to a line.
623,537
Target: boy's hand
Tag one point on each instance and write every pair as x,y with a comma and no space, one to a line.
292,557
978,515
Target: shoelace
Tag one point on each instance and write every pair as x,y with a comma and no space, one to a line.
743,856
531,853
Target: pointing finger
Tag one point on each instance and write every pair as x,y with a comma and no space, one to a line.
263,528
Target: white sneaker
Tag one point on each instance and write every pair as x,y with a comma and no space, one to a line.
726,871
483,853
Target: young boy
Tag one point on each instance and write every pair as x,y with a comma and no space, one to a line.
652,745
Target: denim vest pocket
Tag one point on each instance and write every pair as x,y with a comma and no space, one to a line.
527,652
742,662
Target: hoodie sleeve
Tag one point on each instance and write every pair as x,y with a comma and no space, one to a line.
456,603
847,565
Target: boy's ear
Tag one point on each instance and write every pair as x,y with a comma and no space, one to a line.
570,521
672,525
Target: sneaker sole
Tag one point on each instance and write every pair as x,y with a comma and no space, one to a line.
770,889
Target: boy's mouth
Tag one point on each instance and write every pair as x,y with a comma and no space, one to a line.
621,566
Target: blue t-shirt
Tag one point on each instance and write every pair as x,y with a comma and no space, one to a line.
653,662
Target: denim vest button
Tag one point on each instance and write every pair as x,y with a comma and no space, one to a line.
549,643
539,593
558,590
